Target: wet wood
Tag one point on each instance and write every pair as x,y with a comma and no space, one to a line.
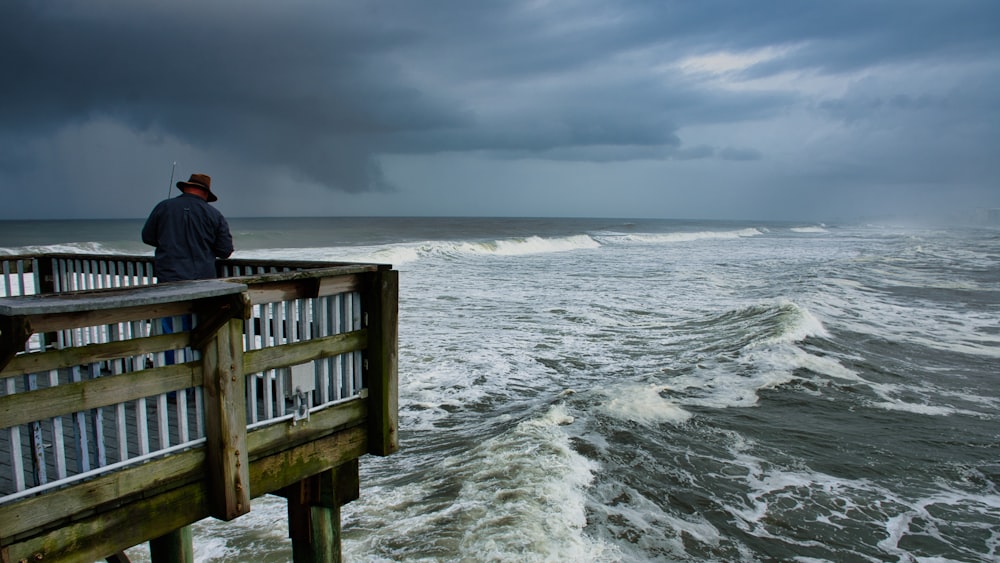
91,515
226,422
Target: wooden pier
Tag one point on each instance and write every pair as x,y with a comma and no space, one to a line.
129,410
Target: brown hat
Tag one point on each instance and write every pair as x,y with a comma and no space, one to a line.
201,182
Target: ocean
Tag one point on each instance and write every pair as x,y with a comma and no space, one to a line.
656,390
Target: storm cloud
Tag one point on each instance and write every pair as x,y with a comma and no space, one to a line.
794,108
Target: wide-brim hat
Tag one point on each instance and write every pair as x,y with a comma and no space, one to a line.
201,182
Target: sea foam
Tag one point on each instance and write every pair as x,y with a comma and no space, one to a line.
643,404
676,237
404,253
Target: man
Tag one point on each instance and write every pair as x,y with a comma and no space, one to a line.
188,233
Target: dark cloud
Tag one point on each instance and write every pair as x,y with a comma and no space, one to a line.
323,92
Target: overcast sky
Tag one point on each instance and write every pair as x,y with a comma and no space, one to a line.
734,109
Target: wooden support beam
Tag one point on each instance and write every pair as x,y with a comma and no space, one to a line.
226,422
314,512
173,547
382,298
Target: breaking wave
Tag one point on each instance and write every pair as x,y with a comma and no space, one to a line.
667,238
410,252
64,248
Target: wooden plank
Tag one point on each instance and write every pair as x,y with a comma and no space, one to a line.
277,471
339,284
306,270
116,511
301,352
55,507
77,319
382,359
226,422
121,298
90,353
269,439
99,535
22,408
282,291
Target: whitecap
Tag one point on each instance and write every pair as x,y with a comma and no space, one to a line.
643,404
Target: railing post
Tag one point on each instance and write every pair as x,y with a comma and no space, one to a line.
226,422
382,309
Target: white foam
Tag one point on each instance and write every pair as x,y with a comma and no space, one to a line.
930,410
643,404
65,248
520,497
815,229
661,238
398,254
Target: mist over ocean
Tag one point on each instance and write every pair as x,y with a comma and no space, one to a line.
653,390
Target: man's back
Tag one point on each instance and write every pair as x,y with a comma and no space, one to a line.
189,234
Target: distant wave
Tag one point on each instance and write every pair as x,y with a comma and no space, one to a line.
63,248
409,252
660,238
815,229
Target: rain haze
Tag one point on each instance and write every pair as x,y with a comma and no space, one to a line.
712,110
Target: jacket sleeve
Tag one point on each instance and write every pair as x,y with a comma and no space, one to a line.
151,228
223,247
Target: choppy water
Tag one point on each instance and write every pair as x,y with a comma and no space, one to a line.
608,390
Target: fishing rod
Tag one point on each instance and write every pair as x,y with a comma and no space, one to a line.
170,186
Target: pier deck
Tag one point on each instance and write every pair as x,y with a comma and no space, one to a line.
129,410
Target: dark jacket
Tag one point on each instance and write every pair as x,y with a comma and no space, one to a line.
189,234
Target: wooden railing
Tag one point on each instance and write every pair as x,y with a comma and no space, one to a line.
119,397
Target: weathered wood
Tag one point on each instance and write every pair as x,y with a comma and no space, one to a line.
173,547
28,516
283,468
92,535
382,297
226,422
95,536
272,438
314,525
90,516
35,513
283,291
41,404
347,484
78,319
80,355
256,361
214,313
306,270
117,298
340,284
